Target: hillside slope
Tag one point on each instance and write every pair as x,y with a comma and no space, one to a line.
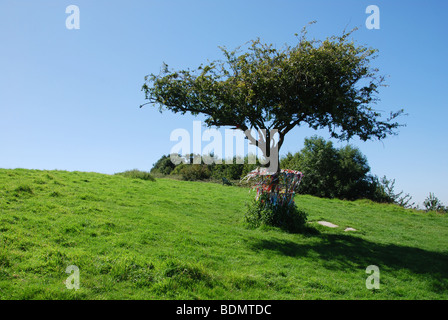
135,239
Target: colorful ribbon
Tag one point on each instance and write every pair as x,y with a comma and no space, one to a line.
278,187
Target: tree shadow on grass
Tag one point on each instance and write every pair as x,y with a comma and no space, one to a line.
346,252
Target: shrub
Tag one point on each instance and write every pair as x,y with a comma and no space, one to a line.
387,188
194,172
432,203
287,216
230,170
377,191
137,174
342,173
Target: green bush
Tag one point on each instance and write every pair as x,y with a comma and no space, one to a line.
263,213
330,172
384,191
229,169
163,166
192,172
137,174
432,203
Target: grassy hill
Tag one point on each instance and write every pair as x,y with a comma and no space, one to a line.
168,239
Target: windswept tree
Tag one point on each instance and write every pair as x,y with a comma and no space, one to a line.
266,92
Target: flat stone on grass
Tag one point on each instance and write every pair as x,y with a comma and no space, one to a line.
327,224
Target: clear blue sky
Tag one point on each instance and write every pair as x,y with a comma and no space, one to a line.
69,98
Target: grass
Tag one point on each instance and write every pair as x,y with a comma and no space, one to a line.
168,239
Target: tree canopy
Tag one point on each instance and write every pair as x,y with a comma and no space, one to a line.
323,84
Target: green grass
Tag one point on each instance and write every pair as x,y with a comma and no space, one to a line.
168,239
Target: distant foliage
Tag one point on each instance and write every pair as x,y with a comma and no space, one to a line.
330,172
163,166
341,173
231,169
432,203
137,174
194,172
386,193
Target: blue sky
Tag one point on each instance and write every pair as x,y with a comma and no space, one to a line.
69,98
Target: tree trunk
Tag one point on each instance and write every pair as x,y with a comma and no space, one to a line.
273,166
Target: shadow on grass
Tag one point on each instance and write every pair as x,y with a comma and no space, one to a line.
345,252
